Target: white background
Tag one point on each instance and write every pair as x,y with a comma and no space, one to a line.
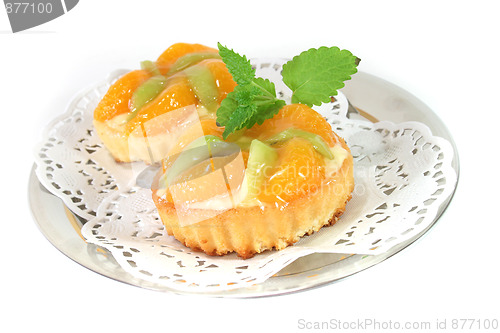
444,52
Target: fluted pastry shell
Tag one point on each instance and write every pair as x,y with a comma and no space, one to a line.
149,143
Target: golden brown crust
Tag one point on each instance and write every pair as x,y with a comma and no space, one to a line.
135,146
115,140
251,230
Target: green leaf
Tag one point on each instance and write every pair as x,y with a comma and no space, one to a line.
268,104
266,111
226,108
313,76
266,87
245,95
239,118
248,105
239,97
239,66
316,74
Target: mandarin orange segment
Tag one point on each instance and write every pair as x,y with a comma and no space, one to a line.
174,52
199,183
294,116
206,180
176,95
300,170
223,79
117,98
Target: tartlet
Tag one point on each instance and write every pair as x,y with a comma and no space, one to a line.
146,110
303,191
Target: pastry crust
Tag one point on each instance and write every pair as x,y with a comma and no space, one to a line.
115,140
149,143
251,230
125,147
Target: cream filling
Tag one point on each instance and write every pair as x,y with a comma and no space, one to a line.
339,156
149,149
240,196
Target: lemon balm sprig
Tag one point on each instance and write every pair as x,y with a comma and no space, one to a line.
251,102
313,76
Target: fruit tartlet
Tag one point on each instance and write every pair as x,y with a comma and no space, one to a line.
262,188
146,110
267,173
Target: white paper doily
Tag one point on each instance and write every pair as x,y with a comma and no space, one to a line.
402,175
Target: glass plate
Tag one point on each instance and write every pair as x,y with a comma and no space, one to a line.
374,99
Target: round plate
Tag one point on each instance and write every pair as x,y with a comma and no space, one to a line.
374,99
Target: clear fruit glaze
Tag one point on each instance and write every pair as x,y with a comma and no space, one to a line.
280,160
184,75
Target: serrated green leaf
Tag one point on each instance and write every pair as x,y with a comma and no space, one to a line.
239,66
226,108
246,94
266,111
266,87
316,74
248,105
239,118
